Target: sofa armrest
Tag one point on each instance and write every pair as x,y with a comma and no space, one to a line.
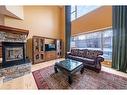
68,53
100,58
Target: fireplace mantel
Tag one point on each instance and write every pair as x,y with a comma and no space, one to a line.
10,34
13,30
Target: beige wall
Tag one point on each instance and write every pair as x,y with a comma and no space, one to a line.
1,19
42,21
39,20
100,18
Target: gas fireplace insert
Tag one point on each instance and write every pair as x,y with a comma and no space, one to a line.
13,53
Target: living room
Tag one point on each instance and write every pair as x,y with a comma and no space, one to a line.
41,43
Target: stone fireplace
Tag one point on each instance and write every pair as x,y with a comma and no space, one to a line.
14,62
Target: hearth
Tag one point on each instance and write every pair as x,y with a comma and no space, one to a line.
13,53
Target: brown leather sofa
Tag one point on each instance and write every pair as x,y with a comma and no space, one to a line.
91,58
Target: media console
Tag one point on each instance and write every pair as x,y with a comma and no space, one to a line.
43,49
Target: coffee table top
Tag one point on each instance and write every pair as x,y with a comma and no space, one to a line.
69,64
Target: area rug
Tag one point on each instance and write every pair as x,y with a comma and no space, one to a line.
46,79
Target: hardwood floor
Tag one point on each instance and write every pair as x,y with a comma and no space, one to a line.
107,63
27,81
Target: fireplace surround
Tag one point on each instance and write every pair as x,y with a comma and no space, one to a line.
14,61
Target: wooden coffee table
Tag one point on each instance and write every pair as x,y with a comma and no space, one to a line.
70,67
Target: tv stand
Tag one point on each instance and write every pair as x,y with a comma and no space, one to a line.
38,52
50,55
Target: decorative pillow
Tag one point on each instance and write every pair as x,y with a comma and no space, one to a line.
81,53
85,52
94,54
74,52
91,54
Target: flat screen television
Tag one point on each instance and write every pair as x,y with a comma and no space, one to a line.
50,47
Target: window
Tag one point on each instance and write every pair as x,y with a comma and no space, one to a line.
107,44
101,40
78,11
88,41
73,13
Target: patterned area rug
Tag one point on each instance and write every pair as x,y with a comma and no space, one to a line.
46,79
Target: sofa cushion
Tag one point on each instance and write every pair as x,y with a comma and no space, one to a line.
81,59
71,56
86,60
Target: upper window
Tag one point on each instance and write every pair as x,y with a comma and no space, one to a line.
78,11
